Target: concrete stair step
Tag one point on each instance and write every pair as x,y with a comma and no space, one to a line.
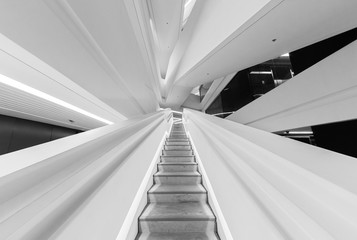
178,133
177,158
177,147
173,137
177,193
176,143
182,136
177,218
177,167
178,236
177,140
177,202
177,152
179,178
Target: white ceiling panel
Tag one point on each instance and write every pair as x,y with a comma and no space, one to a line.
99,55
16,103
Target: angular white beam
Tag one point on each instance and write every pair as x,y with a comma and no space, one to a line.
325,92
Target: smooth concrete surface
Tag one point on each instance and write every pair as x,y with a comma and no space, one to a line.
177,207
178,236
177,158
182,147
177,166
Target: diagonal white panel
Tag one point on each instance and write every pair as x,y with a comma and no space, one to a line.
91,43
325,92
166,19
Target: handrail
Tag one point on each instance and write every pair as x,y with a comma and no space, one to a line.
45,195
270,187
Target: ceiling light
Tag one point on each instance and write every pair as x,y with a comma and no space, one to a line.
301,132
285,55
260,72
15,84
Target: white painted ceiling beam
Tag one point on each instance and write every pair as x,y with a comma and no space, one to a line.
225,41
323,93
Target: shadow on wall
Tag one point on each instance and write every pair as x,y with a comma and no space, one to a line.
17,134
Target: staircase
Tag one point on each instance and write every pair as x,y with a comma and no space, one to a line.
178,207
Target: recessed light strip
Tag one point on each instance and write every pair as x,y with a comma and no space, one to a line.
261,72
15,84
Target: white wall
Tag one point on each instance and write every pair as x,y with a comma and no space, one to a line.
326,92
271,187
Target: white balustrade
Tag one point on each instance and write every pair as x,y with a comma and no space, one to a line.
263,186
87,186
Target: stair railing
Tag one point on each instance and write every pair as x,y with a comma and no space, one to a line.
87,186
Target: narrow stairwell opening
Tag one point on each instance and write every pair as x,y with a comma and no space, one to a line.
177,206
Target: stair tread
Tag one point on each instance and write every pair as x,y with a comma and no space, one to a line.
178,236
177,143
177,163
185,158
177,150
166,188
183,174
177,139
178,211
177,153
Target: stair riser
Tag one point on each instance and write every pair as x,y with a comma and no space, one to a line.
178,147
183,136
182,143
177,197
177,159
177,179
177,140
177,226
177,168
178,236
177,153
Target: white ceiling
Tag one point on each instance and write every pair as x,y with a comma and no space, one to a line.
166,17
213,52
94,46
19,65
102,55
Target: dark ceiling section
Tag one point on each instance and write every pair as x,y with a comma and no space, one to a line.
340,137
16,133
306,57
251,83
